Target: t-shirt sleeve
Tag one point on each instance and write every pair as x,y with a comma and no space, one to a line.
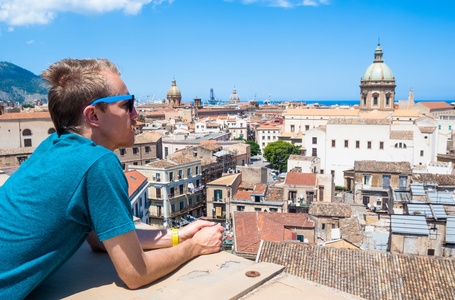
107,208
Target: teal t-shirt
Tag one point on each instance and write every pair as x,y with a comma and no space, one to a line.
68,187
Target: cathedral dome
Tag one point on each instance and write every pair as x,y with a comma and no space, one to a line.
234,97
378,70
173,90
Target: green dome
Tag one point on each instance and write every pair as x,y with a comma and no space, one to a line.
378,70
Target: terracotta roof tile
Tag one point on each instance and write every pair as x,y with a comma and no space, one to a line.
24,116
308,179
243,195
328,209
367,274
135,180
252,227
382,166
259,189
435,105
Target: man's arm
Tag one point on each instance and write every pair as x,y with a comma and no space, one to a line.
155,238
137,268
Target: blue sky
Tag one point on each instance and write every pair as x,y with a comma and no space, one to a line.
291,50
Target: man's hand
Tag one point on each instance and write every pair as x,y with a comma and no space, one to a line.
208,240
190,230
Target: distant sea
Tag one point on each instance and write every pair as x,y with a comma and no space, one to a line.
348,102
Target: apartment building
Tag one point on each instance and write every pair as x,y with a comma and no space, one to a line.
147,148
138,193
266,134
175,189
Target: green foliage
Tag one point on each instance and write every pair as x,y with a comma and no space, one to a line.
141,118
27,106
277,153
254,147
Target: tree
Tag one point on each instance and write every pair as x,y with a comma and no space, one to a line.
141,118
254,147
277,153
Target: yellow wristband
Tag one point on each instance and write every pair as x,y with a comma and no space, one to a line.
175,237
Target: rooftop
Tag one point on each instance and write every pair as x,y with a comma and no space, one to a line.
329,209
436,105
25,116
382,166
147,137
367,274
225,180
307,179
135,180
322,112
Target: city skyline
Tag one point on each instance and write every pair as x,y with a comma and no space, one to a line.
291,50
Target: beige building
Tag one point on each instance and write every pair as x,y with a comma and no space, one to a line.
374,179
175,189
147,148
22,130
220,193
256,201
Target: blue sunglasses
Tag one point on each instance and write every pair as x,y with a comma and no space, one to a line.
116,99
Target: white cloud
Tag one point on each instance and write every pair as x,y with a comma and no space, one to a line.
29,12
30,42
10,29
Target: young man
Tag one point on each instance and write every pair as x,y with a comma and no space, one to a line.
73,185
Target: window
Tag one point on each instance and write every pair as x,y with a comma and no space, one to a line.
332,172
158,193
180,174
381,145
240,208
307,127
375,100
171,192
171,176
257,209
439,126
27,142
315,140
147,149
166,151
123,166
292,128
421,152
323,226
321,193
158,177
364,101
51,131
182,205
403,182
198,198
135,150
387,101
197,170
333,143
190,201
314,152
197,183
273,209
122,151
292,195
385,182
172,207
218,195
431,252
369,144
188,172
26,132
367,180
357,144
181,189
346,143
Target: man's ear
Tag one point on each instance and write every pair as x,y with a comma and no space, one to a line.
90,116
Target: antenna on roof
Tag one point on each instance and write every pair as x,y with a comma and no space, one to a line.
379,41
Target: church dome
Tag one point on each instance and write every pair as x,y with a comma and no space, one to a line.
234,97
378,70
173,90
